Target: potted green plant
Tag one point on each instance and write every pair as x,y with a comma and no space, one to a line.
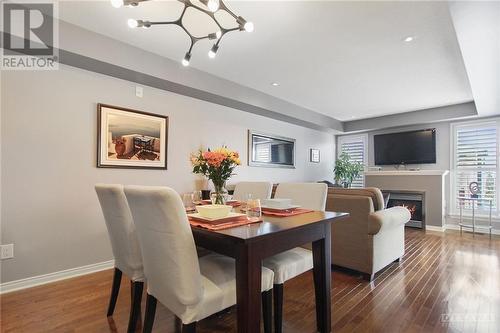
346,170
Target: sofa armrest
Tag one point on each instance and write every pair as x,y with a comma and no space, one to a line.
387,219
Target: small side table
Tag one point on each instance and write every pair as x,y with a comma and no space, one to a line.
473,225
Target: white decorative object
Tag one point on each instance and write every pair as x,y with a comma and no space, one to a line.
277,203
214,211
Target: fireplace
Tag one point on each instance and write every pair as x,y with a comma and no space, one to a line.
414,202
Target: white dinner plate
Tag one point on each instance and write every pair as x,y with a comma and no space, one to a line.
287,208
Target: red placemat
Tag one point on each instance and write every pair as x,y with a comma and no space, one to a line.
217,221
231,224
293,212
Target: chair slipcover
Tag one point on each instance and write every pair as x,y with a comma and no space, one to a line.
307,195
192,289
288,264
258,190
121,230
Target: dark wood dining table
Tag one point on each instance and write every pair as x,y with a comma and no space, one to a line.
252,243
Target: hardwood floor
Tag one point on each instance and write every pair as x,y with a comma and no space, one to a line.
445,283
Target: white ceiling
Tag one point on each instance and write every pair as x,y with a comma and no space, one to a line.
343,59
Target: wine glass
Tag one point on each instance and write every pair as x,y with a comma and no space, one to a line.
254,209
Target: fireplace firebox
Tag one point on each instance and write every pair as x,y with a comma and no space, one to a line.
414,202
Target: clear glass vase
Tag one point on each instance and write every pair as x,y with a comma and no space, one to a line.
220,194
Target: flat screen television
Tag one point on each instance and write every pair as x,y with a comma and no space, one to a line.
414,147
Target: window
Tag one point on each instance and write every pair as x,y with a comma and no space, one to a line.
475,161
356,147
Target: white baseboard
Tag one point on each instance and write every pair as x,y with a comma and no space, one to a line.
478,231
11,286
456,227
435,228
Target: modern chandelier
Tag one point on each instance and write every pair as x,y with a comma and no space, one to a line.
212,6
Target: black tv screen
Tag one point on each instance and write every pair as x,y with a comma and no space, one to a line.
415,147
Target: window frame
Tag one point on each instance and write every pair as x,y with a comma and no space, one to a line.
454,127
355,138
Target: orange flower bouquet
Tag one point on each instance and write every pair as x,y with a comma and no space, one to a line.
218,166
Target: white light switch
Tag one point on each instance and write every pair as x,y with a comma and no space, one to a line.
139,91
7,251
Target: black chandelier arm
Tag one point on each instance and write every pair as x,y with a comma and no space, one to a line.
165,23
225,32
188,3
217,36
222,6
178,23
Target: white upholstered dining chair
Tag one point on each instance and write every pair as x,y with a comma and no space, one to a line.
191,288
289,264
257,190
125,247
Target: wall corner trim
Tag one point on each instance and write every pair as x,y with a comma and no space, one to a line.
39,280
435,228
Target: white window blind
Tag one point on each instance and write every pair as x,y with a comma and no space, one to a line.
356,147
476,161
263,152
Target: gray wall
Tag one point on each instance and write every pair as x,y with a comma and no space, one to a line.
48,136
442,151
442,145
190,80
443,162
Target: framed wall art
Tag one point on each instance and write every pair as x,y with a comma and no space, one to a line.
314,155
131,139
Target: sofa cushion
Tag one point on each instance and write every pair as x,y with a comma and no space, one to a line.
374,193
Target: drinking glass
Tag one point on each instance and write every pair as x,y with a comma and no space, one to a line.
187,200
254,210
197,197
244,200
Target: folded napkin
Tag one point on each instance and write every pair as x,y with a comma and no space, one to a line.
286,213
237,222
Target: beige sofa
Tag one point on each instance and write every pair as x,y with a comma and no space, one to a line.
371,237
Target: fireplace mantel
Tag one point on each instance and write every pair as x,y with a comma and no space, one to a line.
407,173
432,182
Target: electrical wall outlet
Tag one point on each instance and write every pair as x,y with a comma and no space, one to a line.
7,251
139,91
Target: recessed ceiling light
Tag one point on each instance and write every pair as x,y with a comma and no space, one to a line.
409,39
275,84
